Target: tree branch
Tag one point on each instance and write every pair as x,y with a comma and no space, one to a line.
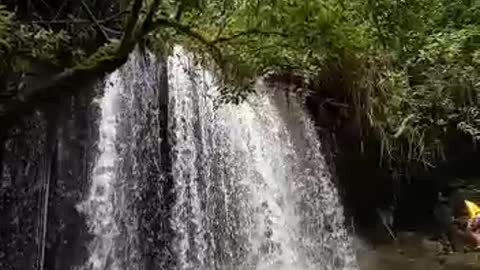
149,18
79,21
130,26
113,31
94,20
75,21
105,60
248,33
62,6
187,30
179,12
113,17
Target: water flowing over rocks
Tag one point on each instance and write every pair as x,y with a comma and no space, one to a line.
165,177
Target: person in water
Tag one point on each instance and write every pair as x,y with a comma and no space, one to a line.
473,232
467,228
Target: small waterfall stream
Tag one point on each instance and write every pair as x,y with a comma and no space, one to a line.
99,205
252,190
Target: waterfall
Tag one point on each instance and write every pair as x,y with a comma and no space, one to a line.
127,167
251,186
99,205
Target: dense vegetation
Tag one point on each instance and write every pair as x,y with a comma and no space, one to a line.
405,72
412,64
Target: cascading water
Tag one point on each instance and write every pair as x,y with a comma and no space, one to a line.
127,166
99,205
252,190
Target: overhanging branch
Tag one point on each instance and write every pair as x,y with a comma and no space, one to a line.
249,33
129,33
113,18
188,31
149,18
106,59
55,87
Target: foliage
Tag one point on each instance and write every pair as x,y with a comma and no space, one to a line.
258,37
430,87
5,28
413,63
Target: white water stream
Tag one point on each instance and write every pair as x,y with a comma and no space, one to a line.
252,190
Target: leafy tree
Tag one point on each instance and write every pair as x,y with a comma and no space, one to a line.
412,64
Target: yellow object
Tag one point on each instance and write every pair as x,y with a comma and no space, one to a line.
472,208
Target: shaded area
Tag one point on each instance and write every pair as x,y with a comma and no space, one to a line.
51,150
416,253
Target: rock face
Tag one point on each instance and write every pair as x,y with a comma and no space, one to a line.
44,165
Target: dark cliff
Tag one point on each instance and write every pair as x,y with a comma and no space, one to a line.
47,154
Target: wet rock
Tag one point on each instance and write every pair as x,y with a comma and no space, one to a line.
55,146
